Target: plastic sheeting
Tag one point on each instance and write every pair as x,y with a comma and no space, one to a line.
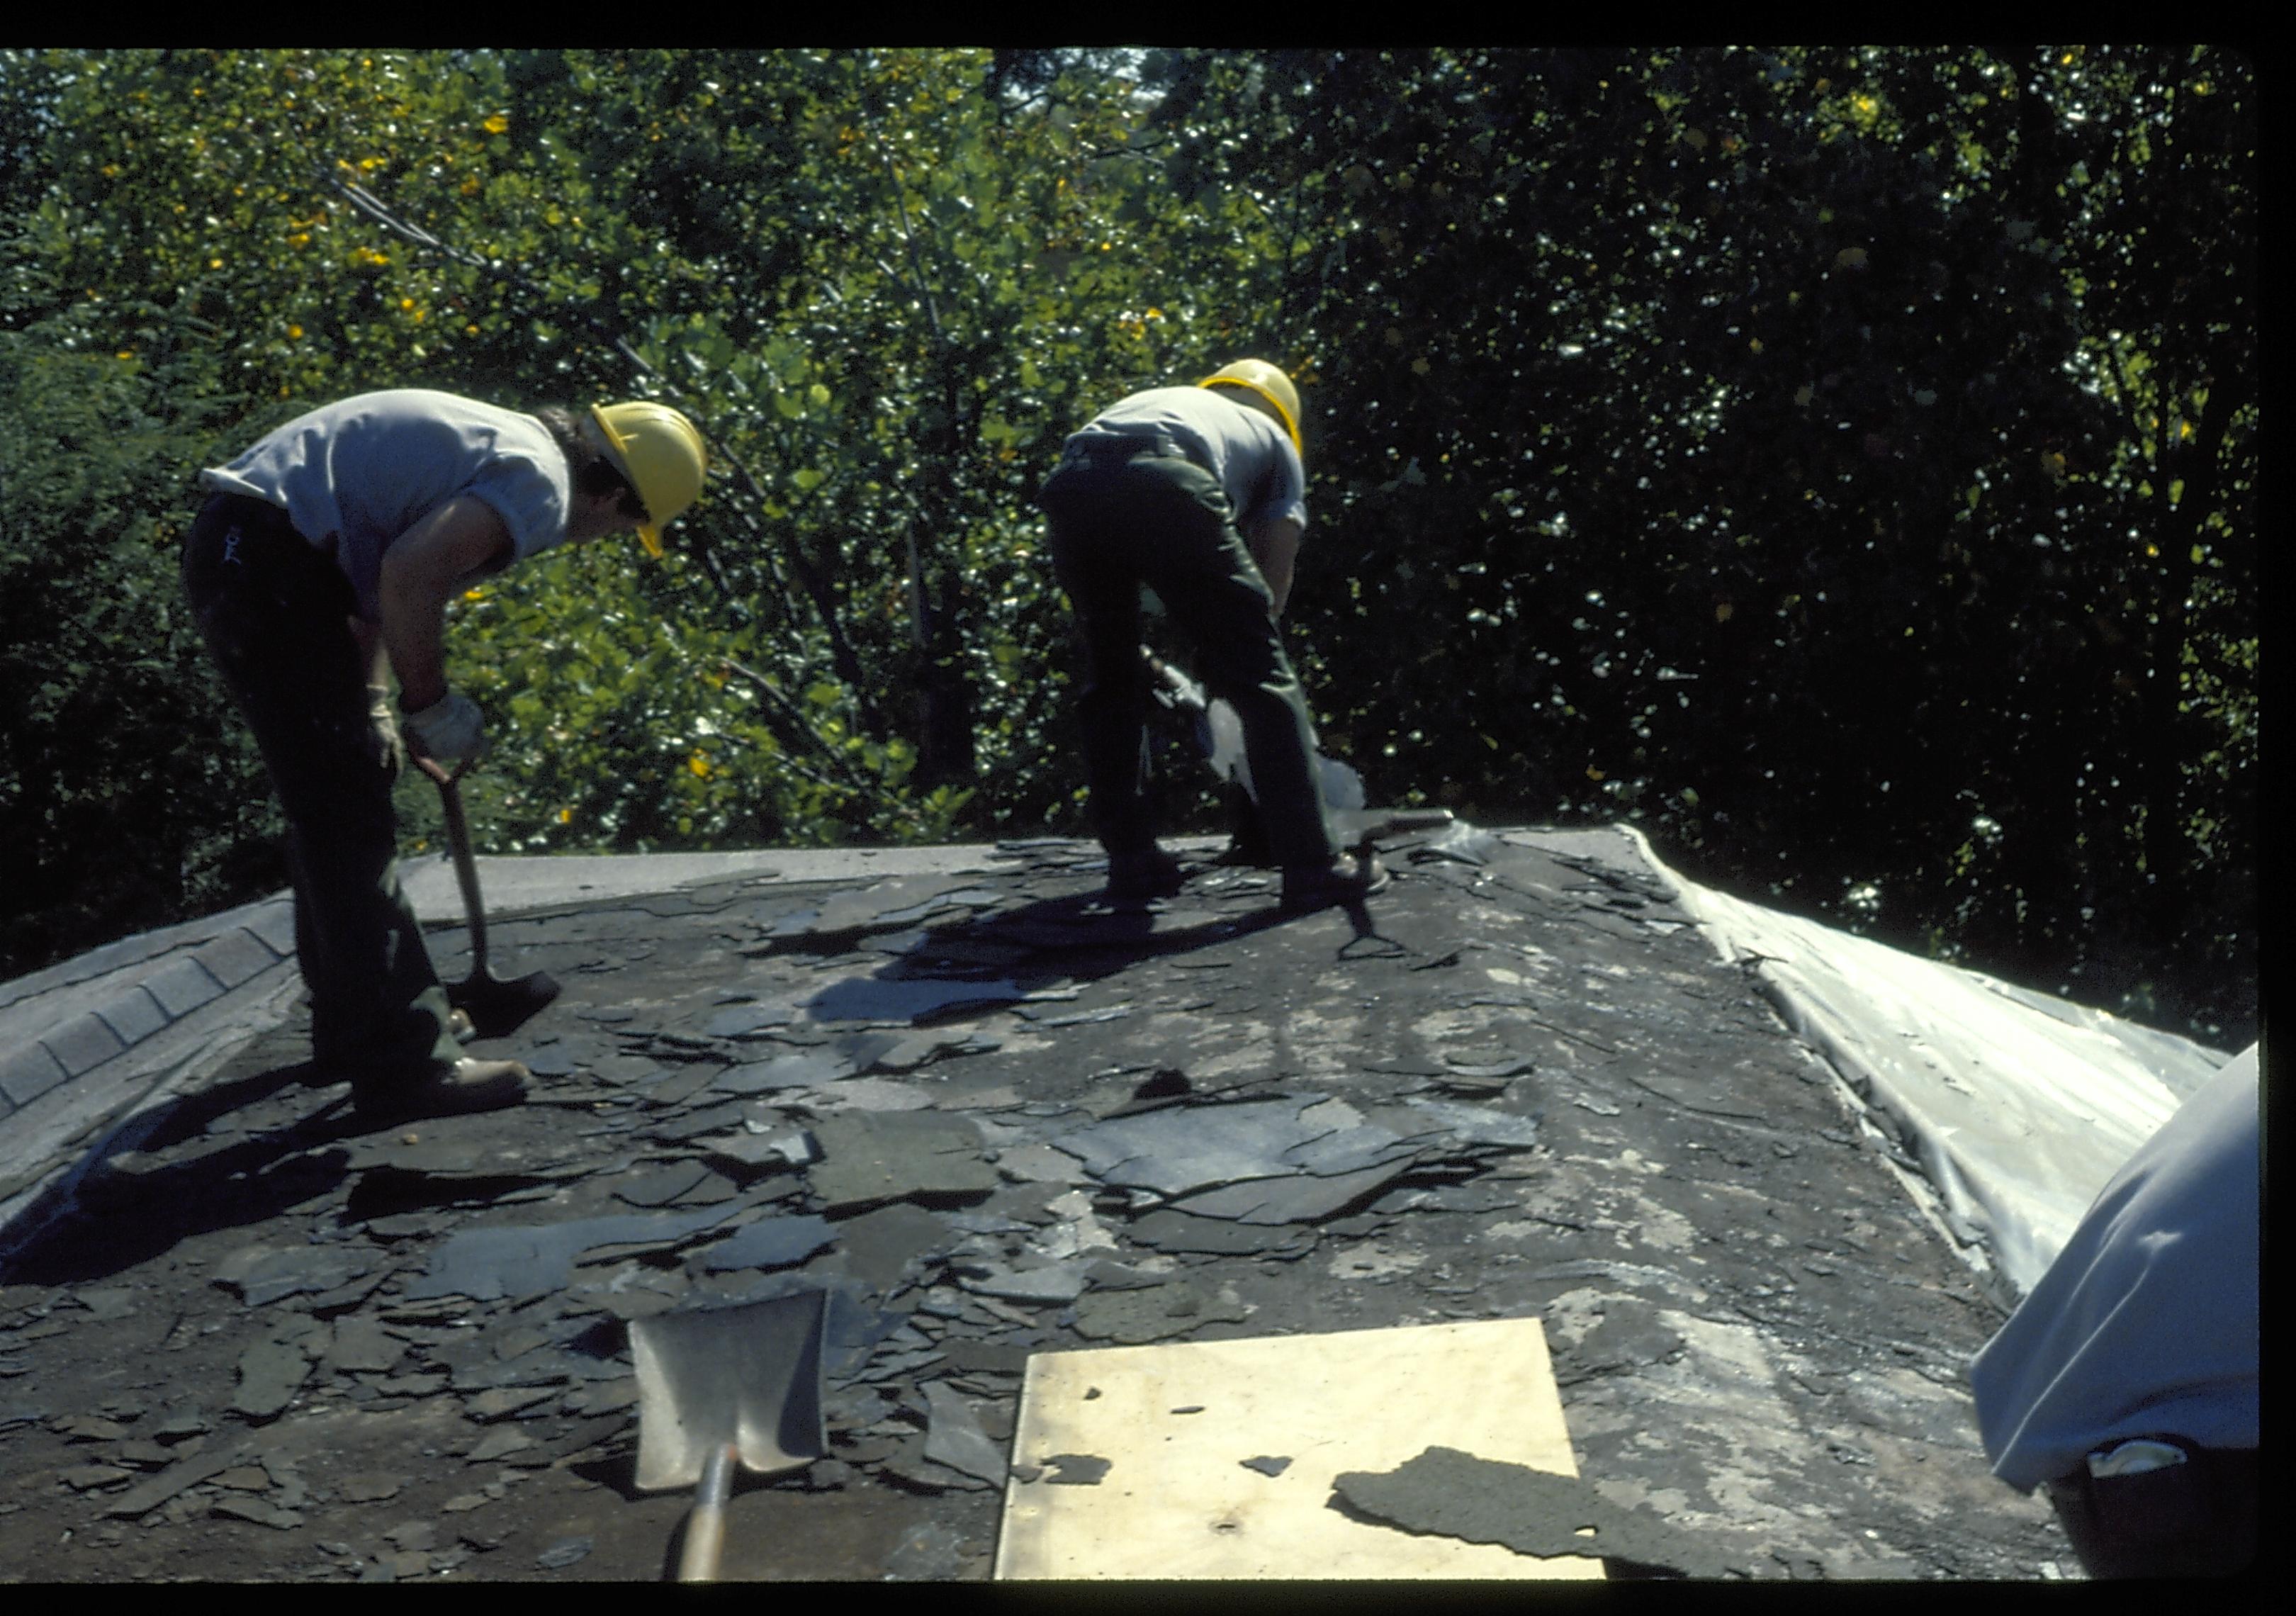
2019,1106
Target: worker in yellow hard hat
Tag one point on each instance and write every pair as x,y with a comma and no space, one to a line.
326,554
1198,493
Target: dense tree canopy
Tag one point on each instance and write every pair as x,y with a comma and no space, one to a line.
1841,463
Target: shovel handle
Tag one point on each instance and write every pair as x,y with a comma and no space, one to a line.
466,864
705,1528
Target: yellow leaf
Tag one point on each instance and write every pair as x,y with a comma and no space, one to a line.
1592,773
699,765
496,125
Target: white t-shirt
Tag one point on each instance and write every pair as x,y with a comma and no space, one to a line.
354,475
1250,454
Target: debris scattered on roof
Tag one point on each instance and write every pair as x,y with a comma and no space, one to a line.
991,1117
1453,1494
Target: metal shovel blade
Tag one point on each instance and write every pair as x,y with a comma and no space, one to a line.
749,1374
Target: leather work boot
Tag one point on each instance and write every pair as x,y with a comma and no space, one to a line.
443,1091
1346,880
1136,877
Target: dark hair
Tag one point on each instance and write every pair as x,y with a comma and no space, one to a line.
592,471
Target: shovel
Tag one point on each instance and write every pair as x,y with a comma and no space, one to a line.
1220,737
496,1008
721,1386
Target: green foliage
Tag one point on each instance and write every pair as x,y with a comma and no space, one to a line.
1839,461
123,791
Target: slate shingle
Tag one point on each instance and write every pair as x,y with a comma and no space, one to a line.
182,987
26,1073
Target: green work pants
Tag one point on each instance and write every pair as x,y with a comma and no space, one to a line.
1118,519
275,614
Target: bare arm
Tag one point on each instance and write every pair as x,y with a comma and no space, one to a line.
421,572
1275,547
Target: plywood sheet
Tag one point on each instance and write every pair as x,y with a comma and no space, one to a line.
1178,1499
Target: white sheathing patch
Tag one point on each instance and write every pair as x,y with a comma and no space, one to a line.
2019,1107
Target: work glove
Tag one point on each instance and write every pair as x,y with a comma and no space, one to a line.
386,728
451,729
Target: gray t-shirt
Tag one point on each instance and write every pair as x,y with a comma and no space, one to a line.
2145,1324
356,474
1249,453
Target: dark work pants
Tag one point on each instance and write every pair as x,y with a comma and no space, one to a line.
274,612
2197,1519
1117,522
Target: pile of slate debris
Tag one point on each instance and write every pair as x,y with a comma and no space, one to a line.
771,1137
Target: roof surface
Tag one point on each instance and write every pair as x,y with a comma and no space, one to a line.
1767,1186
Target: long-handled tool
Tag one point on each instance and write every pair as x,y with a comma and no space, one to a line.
1219,736
496,1007
721,1386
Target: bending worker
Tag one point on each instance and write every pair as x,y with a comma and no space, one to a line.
2127,1382
332,548
1199,494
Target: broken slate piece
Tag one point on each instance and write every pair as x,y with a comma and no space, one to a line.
559,1556
495,1264
451,1156
808,1069
270,1374
748,1154
1267,1464
1168,1230
869,1093
870,1157
262,1275
1177,1149
891,902
1452,1494
1076,1469
771,1242
259,1511
1304,1198
1131,1317
887,1246
745,1020
506,1402
662,1188
1057,1282
984,1357
871,998
364,1344
189,1472
908,1054
495,1444
1478,1124
1039,1164
955,1437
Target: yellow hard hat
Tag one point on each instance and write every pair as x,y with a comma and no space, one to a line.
662,455
1259,376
